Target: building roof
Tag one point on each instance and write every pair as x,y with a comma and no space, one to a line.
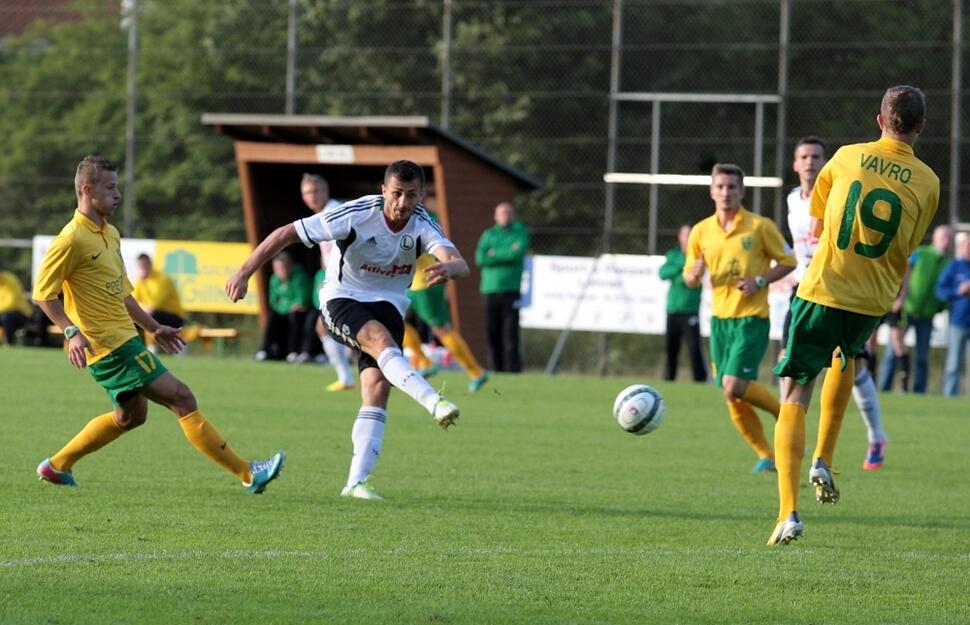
341,130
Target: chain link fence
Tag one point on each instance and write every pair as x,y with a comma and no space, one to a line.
527,80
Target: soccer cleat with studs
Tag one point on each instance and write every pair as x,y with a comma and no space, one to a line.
360,490
264,472
875,455
787,531
821,478
445,412
47,473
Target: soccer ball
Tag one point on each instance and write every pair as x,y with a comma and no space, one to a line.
639,409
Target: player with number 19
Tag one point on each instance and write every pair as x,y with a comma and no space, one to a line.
871,206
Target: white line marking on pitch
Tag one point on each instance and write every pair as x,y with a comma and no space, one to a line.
459,552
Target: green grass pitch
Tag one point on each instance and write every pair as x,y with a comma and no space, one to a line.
536,508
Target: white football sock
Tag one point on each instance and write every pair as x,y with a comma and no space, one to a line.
398,372
867,399
367,435
337,357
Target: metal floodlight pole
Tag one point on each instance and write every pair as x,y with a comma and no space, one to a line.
955,111
446,64
129,11
291,50
784,32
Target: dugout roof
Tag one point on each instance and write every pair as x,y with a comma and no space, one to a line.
464,181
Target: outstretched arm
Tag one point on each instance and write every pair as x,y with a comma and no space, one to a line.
450,265
167,337
276,242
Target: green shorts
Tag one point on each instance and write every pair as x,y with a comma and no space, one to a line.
430,305
737,346
126,370
816,331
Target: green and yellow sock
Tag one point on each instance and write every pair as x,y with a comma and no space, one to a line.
836,391
204,437
412,341
99,431
790,451
749,425
455,344
759,396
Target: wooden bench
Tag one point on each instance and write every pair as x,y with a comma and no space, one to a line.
220,337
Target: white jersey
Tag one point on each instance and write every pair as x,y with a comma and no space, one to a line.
327,246
370,262
800,224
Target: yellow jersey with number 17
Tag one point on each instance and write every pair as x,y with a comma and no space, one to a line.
876,201
85,262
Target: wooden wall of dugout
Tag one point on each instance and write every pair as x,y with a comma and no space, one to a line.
460,188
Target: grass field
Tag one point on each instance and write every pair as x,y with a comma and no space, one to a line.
536,508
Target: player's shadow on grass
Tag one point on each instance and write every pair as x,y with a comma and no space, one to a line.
567,509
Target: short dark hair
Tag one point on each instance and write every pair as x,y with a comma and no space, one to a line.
405,171
811,140
903,108
89,171
729,169
144,257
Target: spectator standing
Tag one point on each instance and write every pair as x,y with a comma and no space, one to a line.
500,255
14,307
683,305
954,287
921,305
289,299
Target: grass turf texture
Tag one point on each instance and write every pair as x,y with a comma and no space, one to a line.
536,508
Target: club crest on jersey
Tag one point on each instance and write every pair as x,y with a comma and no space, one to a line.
407,242
746,243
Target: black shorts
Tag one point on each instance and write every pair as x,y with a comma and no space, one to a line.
345,317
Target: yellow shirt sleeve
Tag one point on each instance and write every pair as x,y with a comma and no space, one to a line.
775,246
820,193
58,263
694,250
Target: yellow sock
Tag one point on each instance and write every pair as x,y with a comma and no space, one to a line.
455,344
747,422
759,396
99,431
412,341
790,450
836,391
207,439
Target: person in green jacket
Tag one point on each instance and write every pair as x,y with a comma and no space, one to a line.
683,321
919,303
500,255
289,299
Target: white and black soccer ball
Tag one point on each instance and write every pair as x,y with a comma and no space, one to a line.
639,409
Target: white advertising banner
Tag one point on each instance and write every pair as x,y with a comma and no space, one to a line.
613,293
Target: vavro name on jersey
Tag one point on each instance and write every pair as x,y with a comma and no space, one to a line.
886,168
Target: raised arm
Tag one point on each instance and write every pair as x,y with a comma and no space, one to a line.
276,242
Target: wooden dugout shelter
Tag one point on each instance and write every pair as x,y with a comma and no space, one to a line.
464,183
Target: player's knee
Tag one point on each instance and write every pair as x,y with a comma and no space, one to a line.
733,389
184,401
131,416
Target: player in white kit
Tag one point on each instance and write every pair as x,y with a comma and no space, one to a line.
378,239
808,160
